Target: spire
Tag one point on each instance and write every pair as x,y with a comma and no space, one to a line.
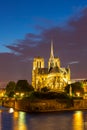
52,54
51,59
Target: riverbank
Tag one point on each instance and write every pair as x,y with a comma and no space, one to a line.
52,105
19,120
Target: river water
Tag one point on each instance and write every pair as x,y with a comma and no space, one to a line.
18,120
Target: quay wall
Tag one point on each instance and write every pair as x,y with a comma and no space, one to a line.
45,105
40,106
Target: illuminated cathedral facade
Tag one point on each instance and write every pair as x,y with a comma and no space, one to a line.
54,76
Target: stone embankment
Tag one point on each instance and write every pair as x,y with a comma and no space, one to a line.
45,105
0,102
40,105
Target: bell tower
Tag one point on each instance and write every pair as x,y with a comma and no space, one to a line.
38,63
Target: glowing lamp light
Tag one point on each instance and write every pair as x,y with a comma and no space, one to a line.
78,94
11,110
22,94
17,93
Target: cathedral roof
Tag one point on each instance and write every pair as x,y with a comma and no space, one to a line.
54,70
51,70
43,71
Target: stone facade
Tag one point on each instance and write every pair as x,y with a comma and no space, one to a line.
54,76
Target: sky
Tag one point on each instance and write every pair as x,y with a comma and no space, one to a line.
27,28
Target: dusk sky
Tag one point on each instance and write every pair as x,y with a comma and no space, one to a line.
27,28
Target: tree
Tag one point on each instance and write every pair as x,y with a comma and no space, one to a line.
44,89
10,88
23,86
76,87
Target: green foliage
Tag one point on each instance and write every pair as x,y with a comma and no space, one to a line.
20,86
23,86
11,94
10,88
50,95
45,89
76,87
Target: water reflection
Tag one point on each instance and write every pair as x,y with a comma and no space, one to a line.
19,120
14,120
0,121
22,121
78,123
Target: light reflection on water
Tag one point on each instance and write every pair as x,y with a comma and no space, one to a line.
19,120
78,122
41,121
0,121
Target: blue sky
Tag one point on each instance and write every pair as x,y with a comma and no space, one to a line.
18,17
28,26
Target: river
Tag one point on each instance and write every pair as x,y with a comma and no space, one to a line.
18,120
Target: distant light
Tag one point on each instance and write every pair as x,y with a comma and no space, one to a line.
78,94
11,110
17,93
22,94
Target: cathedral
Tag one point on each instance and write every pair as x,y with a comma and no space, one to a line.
54,77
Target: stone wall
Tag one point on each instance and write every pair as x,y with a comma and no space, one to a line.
40,105
78,104
45,105
9,103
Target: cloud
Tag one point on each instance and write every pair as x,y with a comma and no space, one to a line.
70,43
73,62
